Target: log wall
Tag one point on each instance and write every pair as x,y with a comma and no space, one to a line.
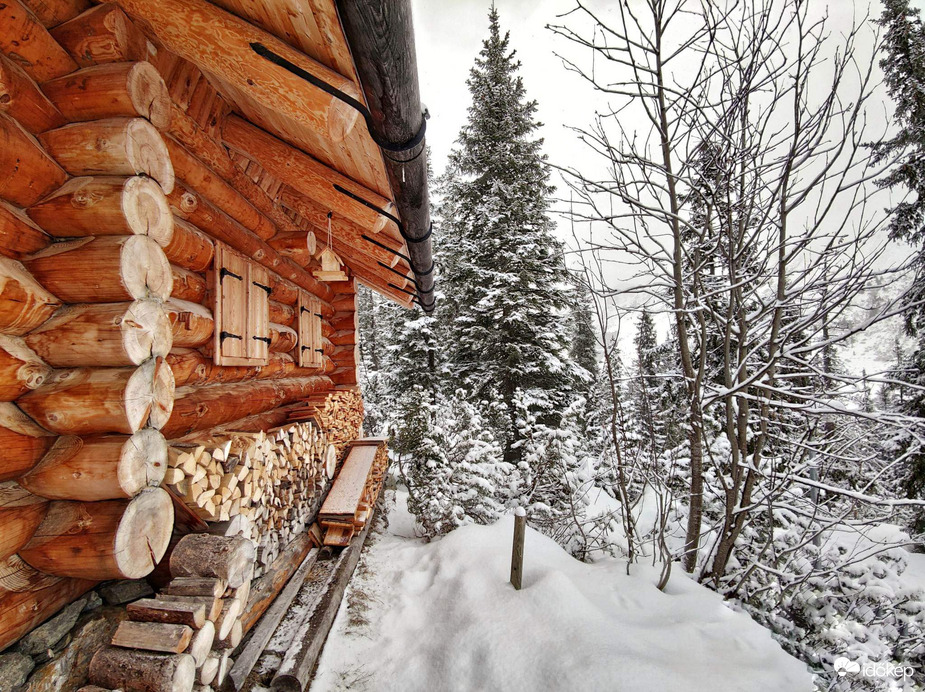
115,188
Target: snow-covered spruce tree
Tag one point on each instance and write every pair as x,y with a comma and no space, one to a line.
506,285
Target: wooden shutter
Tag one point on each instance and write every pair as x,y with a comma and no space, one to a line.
311,353
242,310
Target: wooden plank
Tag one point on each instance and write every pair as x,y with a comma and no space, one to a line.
348,487
258,313
153,636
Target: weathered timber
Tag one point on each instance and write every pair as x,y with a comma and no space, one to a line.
106,206
21,513
197,586
27,172
24,303
172,612
19,236
21,370
191,323
112,90
88,401
54,12
187,285
103,334
189,248
220,43
104,269
309,176
111,539
25,41
204,181
265,590
381,38
231,639
23,441
211,606
21,611
102,35
142,671
21,98
208,407
202,555
105,467
115,146
153,636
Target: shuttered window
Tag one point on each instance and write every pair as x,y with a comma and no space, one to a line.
311,353
242,310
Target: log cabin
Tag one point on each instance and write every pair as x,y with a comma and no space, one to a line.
190,193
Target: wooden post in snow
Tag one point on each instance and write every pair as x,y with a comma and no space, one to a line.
517,555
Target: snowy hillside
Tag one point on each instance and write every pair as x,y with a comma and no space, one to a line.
441,616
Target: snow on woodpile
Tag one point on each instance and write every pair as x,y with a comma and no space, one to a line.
442,616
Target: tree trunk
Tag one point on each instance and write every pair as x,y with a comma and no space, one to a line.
89,401
153,636
21,370
203,555
189,248
142,671
101,35
21,98
19,237
27,172
104,269
192,324
23,441
106,206
21,513
24,303
112,90
103,334
111,539
24,40
117,146
108,467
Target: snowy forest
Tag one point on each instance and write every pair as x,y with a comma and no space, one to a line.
706,351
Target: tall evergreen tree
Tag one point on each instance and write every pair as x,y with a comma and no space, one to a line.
506,283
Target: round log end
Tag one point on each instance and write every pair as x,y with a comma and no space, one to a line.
147,153
144,461
146,331
311,243
145,269
149,94
341,117
149,395
146,209
164,389
382,221
143,533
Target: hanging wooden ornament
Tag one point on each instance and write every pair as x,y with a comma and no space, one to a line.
331,264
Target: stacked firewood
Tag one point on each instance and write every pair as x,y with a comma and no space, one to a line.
338,413
270,479
355,491
183,637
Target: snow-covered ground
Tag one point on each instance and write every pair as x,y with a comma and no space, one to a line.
442,616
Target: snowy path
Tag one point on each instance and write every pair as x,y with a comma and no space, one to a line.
441,616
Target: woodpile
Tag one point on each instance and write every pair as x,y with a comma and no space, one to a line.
183,637
338,413
348,506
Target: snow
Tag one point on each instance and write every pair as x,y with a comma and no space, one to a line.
442,616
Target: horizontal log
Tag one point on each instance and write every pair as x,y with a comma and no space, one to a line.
344,376
105,467
167,611
102,35
19,236
106,206
21,611
344,338
115,146
153,636
111,539
208,407
197,586
21,370
191,367
24,40
24,442
282,313
24,303
51,13
87,401
21,98
265,590
105,269
112,90
203,555
188,286
142,671
189,248
103,334
220,43
345,321
282,338
21,513
27,172
192,324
